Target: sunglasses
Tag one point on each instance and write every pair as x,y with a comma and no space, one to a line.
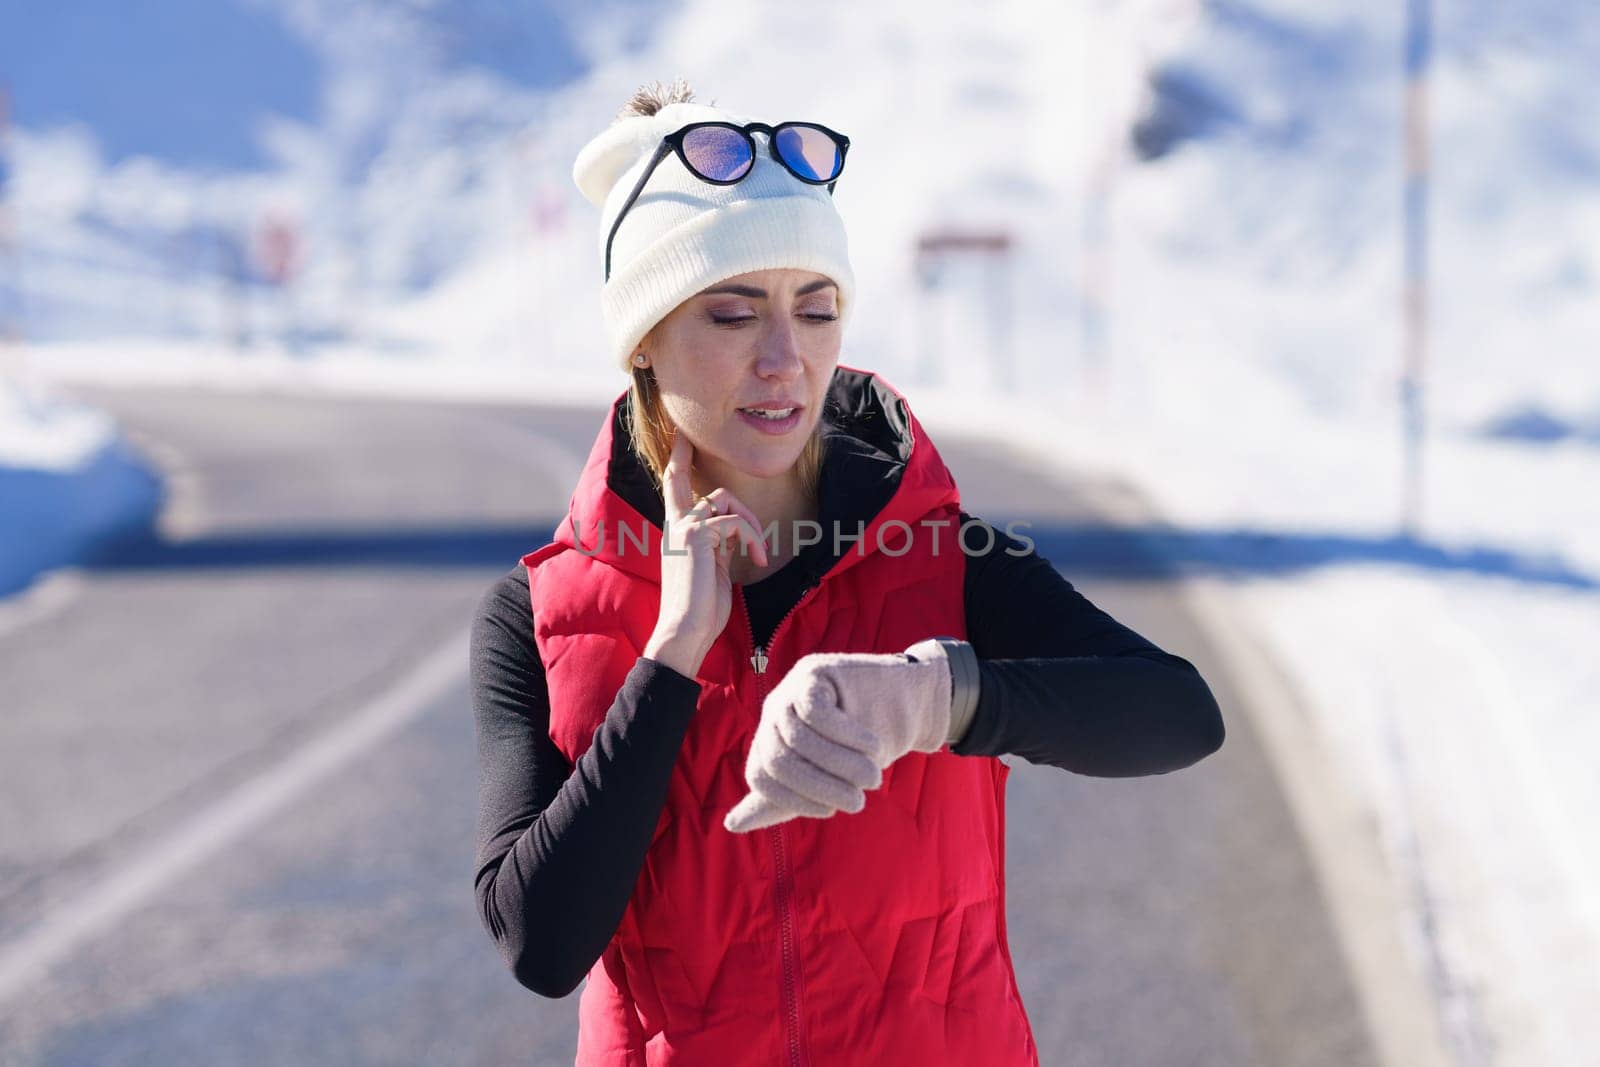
721,153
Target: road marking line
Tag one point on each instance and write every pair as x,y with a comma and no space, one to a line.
75,920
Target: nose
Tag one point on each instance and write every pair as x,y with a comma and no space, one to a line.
778,355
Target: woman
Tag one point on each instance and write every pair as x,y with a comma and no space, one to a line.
744,776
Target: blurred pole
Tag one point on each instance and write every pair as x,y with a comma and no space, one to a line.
1465,1032
232,273
542,188
350,317
1002,314
1102,147
1097,269
943,253
278,252
928,274
527,267
929,356
1418,58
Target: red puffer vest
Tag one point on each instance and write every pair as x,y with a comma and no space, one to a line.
874,938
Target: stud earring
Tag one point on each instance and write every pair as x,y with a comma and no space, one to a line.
638,357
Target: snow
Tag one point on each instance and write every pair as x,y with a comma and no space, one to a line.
68,484
1220,182
41,431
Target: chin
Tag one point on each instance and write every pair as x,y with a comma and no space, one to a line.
768,465
768,462
766,458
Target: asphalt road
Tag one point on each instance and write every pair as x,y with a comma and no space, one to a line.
238,773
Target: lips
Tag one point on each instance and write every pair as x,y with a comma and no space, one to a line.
769,424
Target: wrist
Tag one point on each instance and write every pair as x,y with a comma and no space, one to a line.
964,699
964,686
675,653
961,660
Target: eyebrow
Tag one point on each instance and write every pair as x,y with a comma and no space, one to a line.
761,294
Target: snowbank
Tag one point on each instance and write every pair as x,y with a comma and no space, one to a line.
69,483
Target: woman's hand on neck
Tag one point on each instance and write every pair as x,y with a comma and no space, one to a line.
778,502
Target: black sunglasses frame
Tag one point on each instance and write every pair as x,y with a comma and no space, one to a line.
673,142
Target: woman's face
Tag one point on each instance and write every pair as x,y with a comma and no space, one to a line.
768,339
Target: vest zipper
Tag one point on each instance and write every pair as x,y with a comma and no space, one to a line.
780,859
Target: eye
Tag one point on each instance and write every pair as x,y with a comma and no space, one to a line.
819,315
724,318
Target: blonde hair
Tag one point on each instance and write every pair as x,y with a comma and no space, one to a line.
651,429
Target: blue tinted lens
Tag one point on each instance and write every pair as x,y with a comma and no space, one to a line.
812,153
717,153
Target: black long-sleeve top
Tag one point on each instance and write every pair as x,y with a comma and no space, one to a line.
559,848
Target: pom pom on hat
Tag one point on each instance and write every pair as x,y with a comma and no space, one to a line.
683,234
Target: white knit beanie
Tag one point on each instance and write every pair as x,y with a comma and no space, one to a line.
682,234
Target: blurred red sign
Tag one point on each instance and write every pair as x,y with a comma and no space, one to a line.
278,248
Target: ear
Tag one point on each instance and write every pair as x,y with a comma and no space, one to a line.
605,158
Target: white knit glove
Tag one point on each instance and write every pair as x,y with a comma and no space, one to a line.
831,726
